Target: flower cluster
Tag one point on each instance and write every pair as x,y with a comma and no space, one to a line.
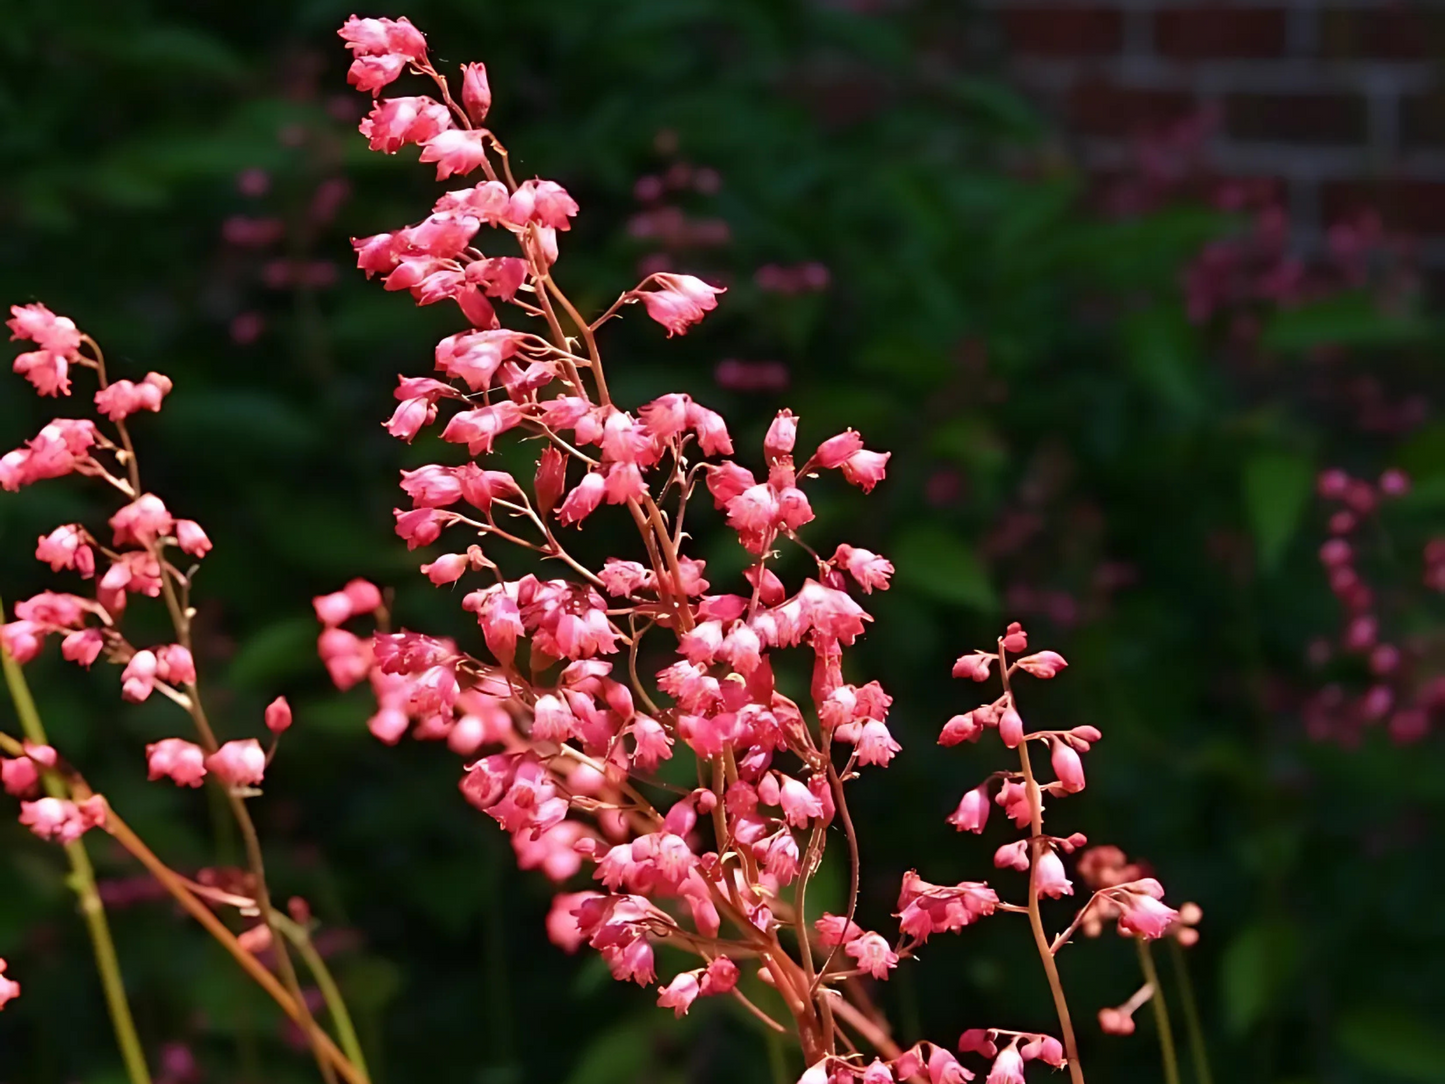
627,725
571,741
1394,694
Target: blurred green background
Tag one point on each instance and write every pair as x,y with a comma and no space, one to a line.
1070,449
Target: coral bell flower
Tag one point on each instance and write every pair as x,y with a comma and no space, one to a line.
972,812
180,761
873,954
679,302
278,715
238,763
1008,1067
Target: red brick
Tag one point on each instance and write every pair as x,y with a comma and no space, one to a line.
1100,107
1422,120
1297,118
1063,31
1413,205
1211,32
1401,32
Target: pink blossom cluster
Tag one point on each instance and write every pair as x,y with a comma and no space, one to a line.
1395,695
142,556
588,691
567,705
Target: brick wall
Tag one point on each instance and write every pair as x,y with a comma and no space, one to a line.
1342,101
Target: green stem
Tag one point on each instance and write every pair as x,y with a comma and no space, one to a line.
82,882
1198,1052
335,1003
1161,1013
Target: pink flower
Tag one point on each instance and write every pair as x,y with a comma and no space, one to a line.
976,1041
1143,915
174,665
835,451
1067,766
138,679
455,151
836,930
181,761
476,92
866,469
877,1073
142,521
278,715
583,500
9,988
873,954
1116,1021
1011,727
191,538
679,302
448,568
377,37
781,436
960,728
876,744
1046,1049
1013,855
720,977
679,994
545,203
943,1068
57,334
48,372
1043,665
972,812
67,547
369,74
83,646
974,665
238,763
799,803
1008,1067
19,776
866,567
1051,879
395,122
63,821
123,398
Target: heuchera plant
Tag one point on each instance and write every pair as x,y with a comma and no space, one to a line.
580,686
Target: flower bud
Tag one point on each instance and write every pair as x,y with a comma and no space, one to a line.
551,479
476,92
781,436
278,715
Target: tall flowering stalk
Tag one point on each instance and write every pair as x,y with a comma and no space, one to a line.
624,719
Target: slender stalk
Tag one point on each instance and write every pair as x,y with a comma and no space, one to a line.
1036,922
335,1003
1198,1051
1161,1013
82,882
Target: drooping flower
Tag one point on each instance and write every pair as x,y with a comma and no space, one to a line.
238,763
181,761
679,301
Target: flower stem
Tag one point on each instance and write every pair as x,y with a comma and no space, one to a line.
82,881
1198,1051
335,1003
1161,1013
1036,922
